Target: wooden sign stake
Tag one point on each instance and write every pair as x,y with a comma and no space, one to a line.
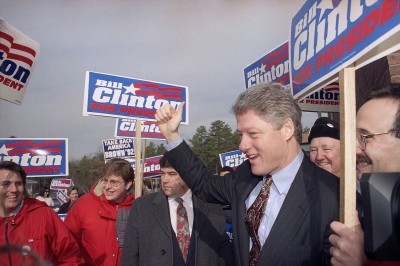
347,146
138,153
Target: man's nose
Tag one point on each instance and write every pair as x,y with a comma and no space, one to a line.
12,187
244,144
320,155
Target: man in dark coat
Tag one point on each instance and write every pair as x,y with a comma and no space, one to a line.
293,227
152,230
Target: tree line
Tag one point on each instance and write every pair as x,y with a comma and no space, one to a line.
207,143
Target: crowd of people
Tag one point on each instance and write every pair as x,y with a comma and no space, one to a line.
283,204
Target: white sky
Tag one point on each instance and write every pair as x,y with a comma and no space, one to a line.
204,45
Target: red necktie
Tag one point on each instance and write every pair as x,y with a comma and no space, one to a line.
182,228
253,219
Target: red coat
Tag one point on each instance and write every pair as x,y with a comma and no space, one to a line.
39,229
92,221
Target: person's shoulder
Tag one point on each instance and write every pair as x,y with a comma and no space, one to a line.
148,198
34,203
85,201
35,206
85,197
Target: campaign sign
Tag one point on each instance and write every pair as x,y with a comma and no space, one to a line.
117,96
127,128
60,183
324,100
232,158
328,35
62,197
272,67
62,216
18,56
38,157
151,166
118,148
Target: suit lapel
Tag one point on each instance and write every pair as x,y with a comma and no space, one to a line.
161,212
296,205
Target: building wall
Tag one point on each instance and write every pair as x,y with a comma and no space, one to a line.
376,75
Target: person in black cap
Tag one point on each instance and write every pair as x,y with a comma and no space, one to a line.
324,142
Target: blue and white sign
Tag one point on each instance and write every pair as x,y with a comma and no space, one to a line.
126,127
328,35
118,148
117,96
232,158
62,196
272,67
38,157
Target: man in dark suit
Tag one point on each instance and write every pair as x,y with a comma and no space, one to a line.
378,143
155,232
293,228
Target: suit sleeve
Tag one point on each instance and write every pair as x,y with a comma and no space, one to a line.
226,249
130,249
208,187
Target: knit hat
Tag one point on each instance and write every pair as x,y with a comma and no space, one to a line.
324,127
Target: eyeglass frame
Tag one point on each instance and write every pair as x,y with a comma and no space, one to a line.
113,183
362,138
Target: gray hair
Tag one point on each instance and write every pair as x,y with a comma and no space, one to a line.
273,102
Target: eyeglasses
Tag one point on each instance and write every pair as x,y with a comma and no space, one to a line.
362,138
113,183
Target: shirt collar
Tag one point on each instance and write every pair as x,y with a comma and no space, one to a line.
284,178
186,197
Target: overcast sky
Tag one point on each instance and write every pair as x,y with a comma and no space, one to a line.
204,45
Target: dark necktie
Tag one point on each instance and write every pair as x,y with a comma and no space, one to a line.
253,219
182,228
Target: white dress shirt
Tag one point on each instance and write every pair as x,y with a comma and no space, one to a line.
281,182
187,203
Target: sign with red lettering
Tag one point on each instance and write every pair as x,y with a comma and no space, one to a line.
274,67
324,100
38,157
60,183
151,166
61,196
328,35
18,55
117,96
126,127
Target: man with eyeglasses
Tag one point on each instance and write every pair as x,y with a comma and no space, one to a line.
93,218
378,139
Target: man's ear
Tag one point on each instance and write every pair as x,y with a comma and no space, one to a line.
129,185
287,129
